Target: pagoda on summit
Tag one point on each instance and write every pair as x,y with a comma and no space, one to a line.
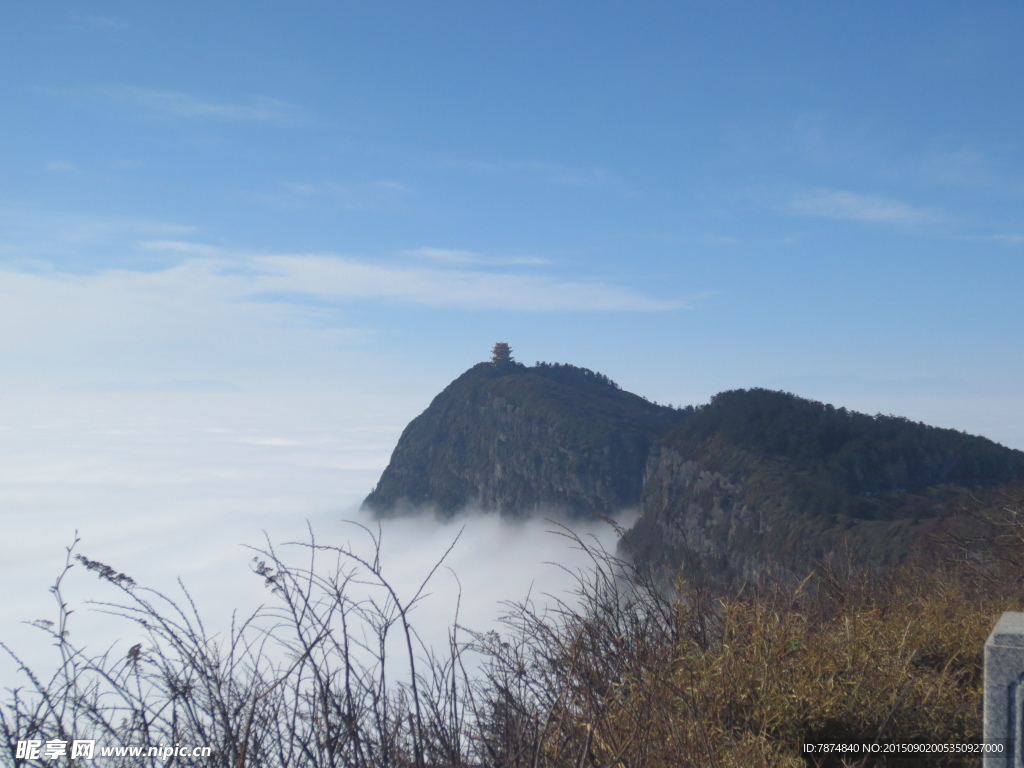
501,355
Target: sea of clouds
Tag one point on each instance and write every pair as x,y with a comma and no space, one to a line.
165,486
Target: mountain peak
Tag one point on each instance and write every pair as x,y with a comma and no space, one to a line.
519,439
752,482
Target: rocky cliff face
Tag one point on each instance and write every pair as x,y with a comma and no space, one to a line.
755,482
734,527
519,440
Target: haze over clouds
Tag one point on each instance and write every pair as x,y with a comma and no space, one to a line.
240,248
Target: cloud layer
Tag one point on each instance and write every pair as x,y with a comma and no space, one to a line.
243,303
162,486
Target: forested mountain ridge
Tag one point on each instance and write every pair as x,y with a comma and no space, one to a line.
854,452
519,439
752,482
756,480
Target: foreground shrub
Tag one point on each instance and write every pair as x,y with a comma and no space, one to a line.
638,677
625,672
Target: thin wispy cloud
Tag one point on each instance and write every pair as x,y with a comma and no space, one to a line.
322,189
220,277
593,177
179,246
334,189
175,385
210,305
26,232
960,166
102,22
350,279
394,186
353,196
1007,239
852,206
200,320
725,240
555,174
450,256
194,280
189,106
874,153
60,166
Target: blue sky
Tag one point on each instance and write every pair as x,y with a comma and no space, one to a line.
363,197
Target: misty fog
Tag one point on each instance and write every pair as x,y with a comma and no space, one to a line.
163,486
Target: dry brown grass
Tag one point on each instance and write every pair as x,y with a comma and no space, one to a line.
640,679
624,674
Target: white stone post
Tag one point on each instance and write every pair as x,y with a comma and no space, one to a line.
1004,691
